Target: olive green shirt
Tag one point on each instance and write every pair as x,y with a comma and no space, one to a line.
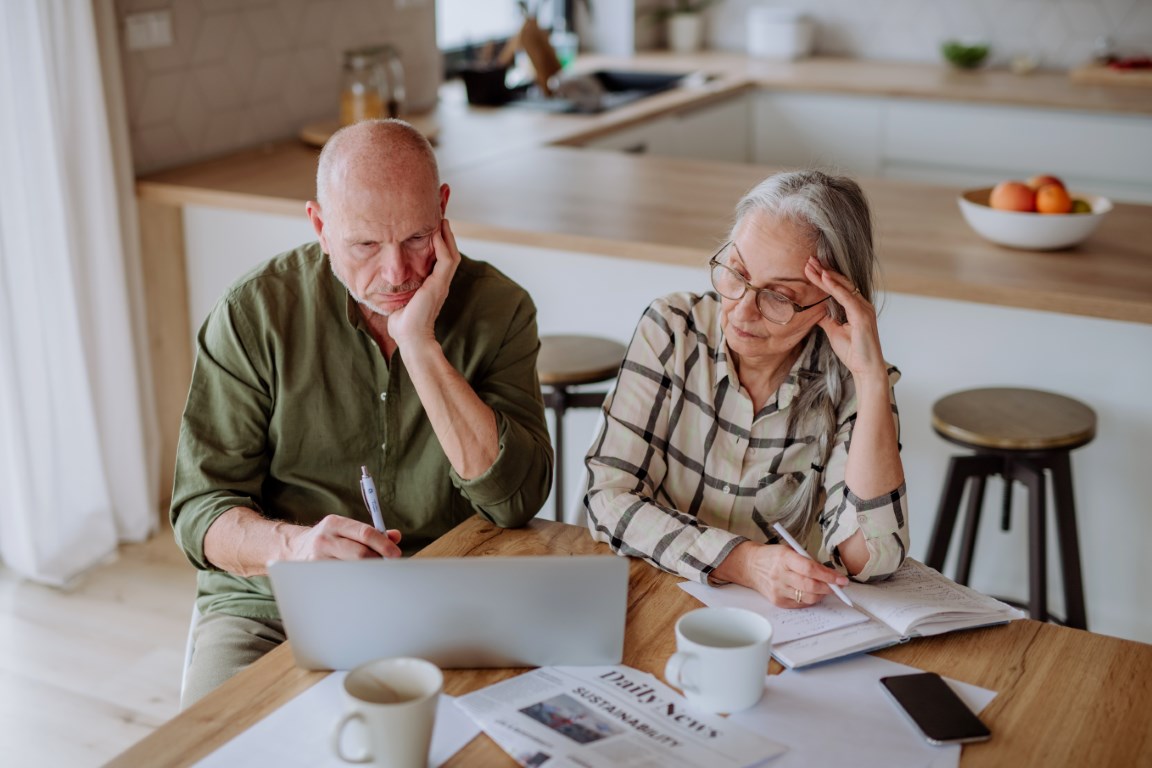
290,395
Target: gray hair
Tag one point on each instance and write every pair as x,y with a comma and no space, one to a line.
371,141
836,214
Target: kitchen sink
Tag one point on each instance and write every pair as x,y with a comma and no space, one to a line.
602,90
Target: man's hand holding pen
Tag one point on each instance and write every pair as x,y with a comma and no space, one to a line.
341,538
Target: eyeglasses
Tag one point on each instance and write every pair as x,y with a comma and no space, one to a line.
732,285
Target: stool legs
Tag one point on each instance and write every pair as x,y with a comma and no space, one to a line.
971,525
1065,504
1033,478
559,399
975,469
960,470
559,404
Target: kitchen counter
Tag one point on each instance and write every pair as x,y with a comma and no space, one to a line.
514,181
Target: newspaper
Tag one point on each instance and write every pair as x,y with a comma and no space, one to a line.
608,716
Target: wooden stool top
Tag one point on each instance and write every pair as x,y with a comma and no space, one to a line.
1005,418
570,360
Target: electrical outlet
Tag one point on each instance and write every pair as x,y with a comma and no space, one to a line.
152,29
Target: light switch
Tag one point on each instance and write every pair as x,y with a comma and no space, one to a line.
152,29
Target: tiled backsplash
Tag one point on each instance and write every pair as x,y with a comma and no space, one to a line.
1060,34
245,71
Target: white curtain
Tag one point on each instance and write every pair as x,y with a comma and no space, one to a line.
77,432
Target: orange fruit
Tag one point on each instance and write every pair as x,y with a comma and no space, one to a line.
1012,196
1053,198
1038,181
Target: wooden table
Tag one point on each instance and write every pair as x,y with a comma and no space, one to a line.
1066,697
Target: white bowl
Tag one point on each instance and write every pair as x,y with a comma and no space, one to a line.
1032,231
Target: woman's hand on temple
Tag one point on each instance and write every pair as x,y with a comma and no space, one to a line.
857,341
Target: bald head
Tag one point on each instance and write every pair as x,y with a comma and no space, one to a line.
374,152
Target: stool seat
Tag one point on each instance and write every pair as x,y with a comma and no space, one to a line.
573,360
1024,436
569,361
1013,419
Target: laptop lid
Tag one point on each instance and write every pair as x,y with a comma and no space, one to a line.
462,612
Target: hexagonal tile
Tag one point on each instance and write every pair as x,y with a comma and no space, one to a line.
316,26
214,37
162,94
217,87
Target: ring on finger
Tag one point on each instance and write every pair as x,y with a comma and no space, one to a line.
799,596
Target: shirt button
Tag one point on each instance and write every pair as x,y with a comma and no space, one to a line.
383,395
384,447
727,488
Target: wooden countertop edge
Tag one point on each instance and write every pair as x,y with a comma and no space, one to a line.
183,194
894,280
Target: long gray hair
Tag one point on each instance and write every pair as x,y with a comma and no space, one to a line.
836,214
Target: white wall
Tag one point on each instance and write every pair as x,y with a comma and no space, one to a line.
1060,35
940,346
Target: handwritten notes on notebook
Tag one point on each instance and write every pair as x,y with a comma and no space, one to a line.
788,624
914,601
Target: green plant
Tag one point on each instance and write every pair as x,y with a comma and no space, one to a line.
964,55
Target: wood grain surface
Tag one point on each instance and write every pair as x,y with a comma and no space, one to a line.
1066,697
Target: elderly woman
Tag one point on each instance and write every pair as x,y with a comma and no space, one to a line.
766,401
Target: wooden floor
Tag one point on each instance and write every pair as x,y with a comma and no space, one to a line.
87,672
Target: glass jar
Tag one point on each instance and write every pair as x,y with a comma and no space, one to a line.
373,85
360,92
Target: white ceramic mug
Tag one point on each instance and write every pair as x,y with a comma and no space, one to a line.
721,658
394,701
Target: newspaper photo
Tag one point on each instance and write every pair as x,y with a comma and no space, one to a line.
608,716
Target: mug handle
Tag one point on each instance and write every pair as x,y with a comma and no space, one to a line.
338,738
674,671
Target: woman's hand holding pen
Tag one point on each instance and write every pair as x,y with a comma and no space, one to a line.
341,538
786,578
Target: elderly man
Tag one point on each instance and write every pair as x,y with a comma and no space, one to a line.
380,346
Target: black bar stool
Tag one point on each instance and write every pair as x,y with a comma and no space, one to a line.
569,361
1018,434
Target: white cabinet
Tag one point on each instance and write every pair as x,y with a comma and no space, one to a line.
968,144
840,134
718,131
952,143
656,137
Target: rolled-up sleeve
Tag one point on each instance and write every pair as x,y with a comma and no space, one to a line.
511,491
883,520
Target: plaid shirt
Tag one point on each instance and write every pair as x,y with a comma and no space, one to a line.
683,470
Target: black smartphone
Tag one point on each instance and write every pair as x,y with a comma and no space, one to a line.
936,710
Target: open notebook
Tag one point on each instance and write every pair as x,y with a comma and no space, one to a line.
916,601
455,611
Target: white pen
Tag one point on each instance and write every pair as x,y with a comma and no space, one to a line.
368,491
799,549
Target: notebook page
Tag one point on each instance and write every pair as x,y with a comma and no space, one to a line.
916,595
788,624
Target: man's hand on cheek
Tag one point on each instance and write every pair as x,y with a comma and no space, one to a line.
416,321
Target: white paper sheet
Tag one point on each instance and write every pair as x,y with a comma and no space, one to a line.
787,623
300,733
838,714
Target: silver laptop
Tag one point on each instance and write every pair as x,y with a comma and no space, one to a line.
457,612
